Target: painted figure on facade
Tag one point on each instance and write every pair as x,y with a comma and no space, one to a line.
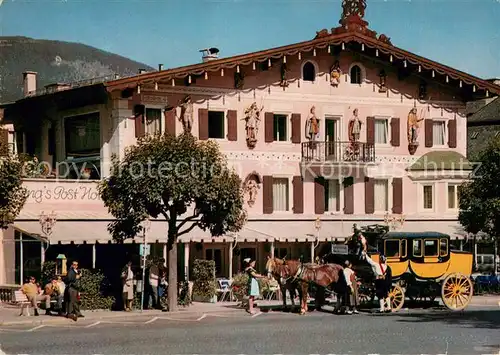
252,119
186,114
239,80
312,126
335,74
284,76
383,78
252,188
355,127
413,123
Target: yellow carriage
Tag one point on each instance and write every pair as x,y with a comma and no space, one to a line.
424,266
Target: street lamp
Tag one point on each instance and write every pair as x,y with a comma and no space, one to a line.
317,226
146,225
393,221
47,223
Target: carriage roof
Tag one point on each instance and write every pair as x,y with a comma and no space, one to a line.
414,235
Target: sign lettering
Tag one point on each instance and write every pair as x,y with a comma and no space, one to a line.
63,193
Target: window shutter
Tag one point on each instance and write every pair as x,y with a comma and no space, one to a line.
170,121
395,133
428,133
203,124
452,133
298,194
139,121
319,195
370,130
267,197
232,125
348,195
269,127
369,196
397,195
296,128
4,142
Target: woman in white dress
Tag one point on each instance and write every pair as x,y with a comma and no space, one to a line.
128,286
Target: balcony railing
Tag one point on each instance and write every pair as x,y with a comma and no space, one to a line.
337,151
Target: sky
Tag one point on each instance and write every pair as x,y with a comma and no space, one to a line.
464,34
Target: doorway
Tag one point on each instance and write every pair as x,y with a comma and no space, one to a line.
332,134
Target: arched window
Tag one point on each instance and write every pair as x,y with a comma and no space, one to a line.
308,72
355,75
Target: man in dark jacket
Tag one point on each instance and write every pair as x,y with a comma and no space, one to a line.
71,292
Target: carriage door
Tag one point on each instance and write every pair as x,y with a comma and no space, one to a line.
331,137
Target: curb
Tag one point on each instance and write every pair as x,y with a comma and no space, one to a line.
129,316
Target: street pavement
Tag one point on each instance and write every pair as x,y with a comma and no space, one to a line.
411,331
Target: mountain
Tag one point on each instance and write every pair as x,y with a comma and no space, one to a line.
55,61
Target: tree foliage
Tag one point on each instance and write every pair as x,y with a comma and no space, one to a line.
479,198
180,179
12,193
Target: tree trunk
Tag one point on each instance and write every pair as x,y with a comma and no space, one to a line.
172,276
495,260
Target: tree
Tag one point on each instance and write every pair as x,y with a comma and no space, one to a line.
479,198
12,193
183,180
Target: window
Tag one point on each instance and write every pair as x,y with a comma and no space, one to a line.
474,135
332,195
215,255
381,131
428,197
431,247
438,132
280,194
280,128
443,247
216,124
355,75
453,197
308,72
281,253
381,195
82,135
153,121
404,245
417,247
392,248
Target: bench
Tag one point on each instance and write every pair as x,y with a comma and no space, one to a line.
21,299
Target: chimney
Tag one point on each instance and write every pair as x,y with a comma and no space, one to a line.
142,71
160,67
209,54
29,81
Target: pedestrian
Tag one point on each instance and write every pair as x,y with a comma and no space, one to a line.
154,273
253,285
72,290
383,282
31,290
128,286
52,290
352,288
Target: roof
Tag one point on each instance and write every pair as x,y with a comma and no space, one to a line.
441,160
412,235
488,113
479,137
321,42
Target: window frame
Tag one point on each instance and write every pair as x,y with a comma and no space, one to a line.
388,193
399,248
362,73
73,114
316,71
405,249
225,125
388,130
288,126
447,247
419,241
421,202
445,137
455,193
290,193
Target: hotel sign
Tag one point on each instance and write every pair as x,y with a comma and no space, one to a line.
61,192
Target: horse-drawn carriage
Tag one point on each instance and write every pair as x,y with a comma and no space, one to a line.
423,265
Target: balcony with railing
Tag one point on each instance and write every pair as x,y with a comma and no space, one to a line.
338,152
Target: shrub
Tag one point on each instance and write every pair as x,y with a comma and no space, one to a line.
184,297
205,285
94,291
48,272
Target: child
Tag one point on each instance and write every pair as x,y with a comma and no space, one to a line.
253,285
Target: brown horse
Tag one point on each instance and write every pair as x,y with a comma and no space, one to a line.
274,268
326,275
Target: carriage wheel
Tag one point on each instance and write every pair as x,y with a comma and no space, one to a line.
456,291
397,296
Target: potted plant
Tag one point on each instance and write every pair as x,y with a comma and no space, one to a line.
240,286
86,173
205,285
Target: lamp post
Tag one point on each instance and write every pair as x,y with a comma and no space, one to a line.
145,228
47,223
394,222
317,226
